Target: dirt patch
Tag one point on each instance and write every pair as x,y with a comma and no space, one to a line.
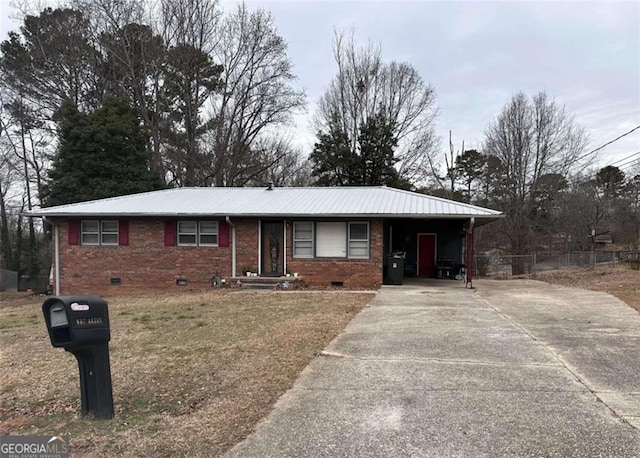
192,374
621,282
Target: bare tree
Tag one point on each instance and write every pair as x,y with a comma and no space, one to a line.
256,96
281,164
531,138
129,35
365,86
7,173
52,59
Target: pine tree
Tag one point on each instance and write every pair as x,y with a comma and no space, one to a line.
101,154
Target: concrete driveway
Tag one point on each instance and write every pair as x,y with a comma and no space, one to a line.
514,368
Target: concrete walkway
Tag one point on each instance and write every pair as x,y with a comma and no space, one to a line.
517,368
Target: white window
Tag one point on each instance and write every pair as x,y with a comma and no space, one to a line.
90,232
109,232
187,233
359,240
331,240
99,232
194,233
208,233
303,239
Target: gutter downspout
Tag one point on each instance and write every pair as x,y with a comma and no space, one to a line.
469,279
233,248
56,255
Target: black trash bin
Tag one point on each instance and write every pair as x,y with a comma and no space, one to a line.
393,269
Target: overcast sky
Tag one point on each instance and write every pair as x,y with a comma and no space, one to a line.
477,55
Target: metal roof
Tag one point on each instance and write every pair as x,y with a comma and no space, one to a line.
379,201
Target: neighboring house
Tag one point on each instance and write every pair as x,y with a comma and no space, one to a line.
603,239
169,239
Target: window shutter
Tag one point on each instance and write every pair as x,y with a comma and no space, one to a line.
169,233
123,233
223,234
74,231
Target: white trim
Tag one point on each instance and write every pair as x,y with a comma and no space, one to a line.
194,234
233,245
83,232
367,240
294,240
284,247
56,236
200,234
435,249
259,247
102,232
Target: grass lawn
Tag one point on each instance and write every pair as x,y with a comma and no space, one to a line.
192,373
621,282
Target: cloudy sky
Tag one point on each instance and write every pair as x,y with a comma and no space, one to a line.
477,55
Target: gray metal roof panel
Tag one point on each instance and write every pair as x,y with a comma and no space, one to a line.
286,201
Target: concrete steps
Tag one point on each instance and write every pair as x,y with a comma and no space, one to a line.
266,282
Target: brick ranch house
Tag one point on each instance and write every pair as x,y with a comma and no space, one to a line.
176,238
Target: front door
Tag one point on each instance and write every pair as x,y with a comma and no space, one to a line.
272,249
426,255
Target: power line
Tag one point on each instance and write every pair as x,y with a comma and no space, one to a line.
627,165
608,143
624,159
627,162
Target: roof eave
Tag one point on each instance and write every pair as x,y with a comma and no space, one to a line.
263,215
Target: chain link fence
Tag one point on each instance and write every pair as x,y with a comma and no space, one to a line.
497,265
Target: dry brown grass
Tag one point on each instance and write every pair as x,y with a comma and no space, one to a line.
192,374
621,282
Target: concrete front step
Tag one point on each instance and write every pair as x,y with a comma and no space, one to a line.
265,282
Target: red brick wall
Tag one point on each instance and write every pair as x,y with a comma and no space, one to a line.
147,265
353,273
247,240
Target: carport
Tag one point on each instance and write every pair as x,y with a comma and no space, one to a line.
434,247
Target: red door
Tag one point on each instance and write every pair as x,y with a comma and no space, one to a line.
426,255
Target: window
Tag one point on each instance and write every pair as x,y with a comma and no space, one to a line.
303,239
194,233
109,232
359,240
90,232
99,232
331,240
208,233
187,232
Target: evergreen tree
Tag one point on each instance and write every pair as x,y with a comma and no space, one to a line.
369,163
101,154
334,163
471,167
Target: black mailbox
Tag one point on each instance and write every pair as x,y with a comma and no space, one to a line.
80,324
75,321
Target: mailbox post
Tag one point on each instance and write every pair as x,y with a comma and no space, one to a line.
80,324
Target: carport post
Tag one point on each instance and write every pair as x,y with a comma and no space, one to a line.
469,262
